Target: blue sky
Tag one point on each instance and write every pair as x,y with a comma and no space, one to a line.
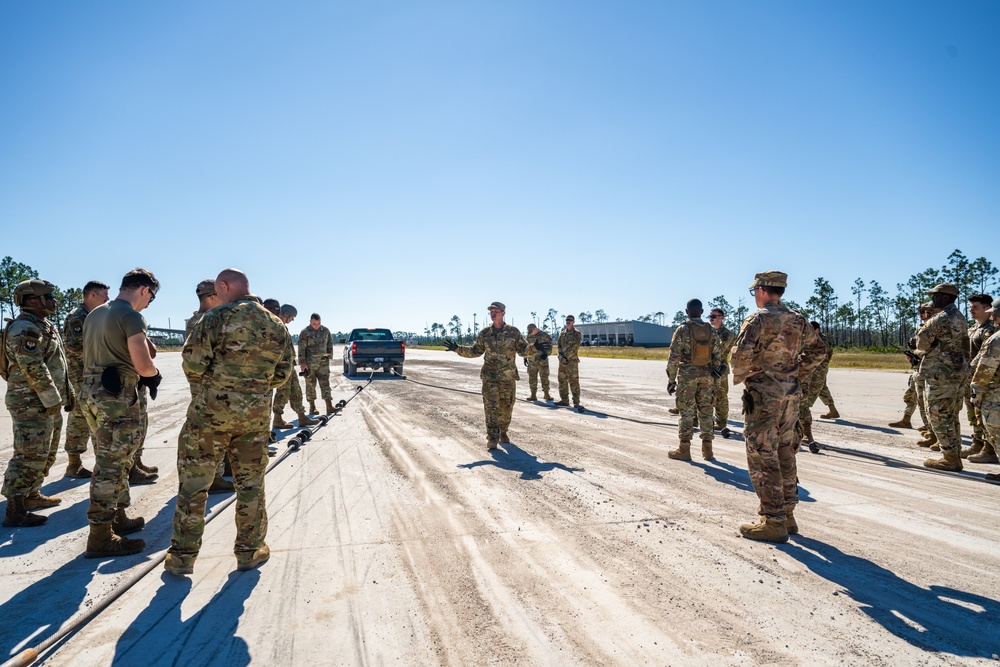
396,163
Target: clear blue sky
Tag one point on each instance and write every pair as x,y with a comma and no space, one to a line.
396,163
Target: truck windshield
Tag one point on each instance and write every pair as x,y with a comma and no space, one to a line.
375,334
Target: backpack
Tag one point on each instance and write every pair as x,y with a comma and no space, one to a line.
701,344
4,361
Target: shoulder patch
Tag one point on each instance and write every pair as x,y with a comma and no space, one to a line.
29,345
32,333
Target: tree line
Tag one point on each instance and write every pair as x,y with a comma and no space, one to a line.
870,318
12,273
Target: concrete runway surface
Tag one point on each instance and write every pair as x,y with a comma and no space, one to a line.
397,539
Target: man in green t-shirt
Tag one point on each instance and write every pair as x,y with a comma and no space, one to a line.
117,369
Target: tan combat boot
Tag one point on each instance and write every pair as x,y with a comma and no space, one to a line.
250,559
103,543
329,407
950,461
17,516
504,438
491,444
562,401
674,411
791,527
36,501
936,447
832,414
279,422
122,525
988,455
75,468
306,420
807,434
768,530
178,565
706,450
931,439
138,477
221,485
547,397
533,397
149,470
682,453
902,423
976,448
312,408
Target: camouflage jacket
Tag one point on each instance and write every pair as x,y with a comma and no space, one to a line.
36,363
726,341
569,346
535,355
315,343
986,373
943,344
498,347
192,322
239,347
72,336
679,361
978,335
777,343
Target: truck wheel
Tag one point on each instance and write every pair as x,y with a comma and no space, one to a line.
399,370
352,369
345,366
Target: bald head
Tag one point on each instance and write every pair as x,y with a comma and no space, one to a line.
231,285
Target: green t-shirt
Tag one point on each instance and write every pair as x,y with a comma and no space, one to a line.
105,336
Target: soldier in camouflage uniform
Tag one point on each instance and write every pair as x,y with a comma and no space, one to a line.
290,392
986,382
498,344
238,353
315,352
538,363
77,430
118,368
34,366
726,340
983,450
943,348
774,350
930,440
812,386
568,344
912,398
695,362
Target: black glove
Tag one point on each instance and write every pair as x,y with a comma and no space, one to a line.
716,372
912,358
671,388
450,344
151,383
70,402
540,346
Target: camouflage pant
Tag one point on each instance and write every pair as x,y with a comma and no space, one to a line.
77,428
219,423
722,400
319,371
499,394
811,390
918,389
36,439
975,417
909,398
825,395
943,395
990,410
696,400
569,381
118,427
538,369
291,393
770,413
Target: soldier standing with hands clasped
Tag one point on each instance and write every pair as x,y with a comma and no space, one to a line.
538,363
775,349
34,366
498,344
315,352
569,342
726,340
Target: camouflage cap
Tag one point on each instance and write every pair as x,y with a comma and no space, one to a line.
289,310
205,288
531,327
927,305
770,279
943,288
499,306
28,288
996,306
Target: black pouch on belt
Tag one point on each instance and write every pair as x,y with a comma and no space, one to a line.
111,380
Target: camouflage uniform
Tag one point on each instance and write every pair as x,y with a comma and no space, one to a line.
986,382
943,348
917,381
315,351
569,364
978,336
812,387
774,349
695,384
77,429
499,349
117,422
538,362
726,340
237,353
290,393
37,383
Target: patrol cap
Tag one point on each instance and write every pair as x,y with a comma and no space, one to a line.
996,306
28,288
770,279
499,306
943,288
531,327
924,307
289,310
205,288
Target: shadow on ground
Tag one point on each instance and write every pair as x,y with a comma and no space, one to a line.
515,459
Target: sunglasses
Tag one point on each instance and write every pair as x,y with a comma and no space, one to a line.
152,296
